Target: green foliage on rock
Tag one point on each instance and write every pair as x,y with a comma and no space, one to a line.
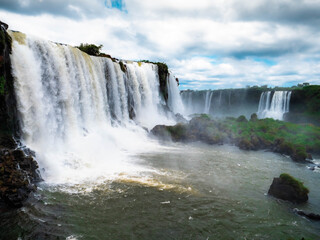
90,49
242,119
298,141
2,85
298,185
305,105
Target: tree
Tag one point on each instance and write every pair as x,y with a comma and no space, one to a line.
90,49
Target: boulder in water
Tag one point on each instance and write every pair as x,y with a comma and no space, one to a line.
312,216
162,132
288,188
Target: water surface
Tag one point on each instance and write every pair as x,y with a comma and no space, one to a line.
191,192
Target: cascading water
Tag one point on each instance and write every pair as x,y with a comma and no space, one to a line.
174,98
220,103
274,107
75,109
207,104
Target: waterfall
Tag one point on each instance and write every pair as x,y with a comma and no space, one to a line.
207,104
220,103
276,107
82,114
174,98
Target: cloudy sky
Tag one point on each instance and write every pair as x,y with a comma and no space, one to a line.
208,44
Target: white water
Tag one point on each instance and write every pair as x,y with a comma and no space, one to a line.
174,98
207,104
75,110
276,107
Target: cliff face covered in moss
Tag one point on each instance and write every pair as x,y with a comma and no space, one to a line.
305,105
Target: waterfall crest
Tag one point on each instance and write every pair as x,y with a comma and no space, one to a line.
82,114
274,106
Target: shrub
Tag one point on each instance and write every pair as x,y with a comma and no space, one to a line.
178,132
2,85
90,49
298,185
242,119
254,117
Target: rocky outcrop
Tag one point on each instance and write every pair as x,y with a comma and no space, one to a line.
256,134
18,173
288,188
8,112
311,216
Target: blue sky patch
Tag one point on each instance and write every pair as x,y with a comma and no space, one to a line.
266,61
118,4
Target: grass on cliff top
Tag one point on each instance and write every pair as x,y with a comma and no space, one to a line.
298,185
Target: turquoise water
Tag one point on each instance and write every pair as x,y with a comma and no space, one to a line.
191,192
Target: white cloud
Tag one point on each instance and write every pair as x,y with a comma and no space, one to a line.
226,43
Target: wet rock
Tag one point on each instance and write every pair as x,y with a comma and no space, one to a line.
7,142
288,188
179,118
244,144
4,25
161,132
312,216
18,174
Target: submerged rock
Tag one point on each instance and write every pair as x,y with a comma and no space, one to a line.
312,216
288,188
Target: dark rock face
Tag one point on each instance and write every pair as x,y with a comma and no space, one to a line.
18,170
18,173
312,216
305,105
8,113
161,132
180,119
286,191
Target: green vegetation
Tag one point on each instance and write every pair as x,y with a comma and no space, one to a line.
298,185
305,105
90,49
296,140
2,85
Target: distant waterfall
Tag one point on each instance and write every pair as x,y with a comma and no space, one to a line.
274,106
220,103
207,104
81,113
